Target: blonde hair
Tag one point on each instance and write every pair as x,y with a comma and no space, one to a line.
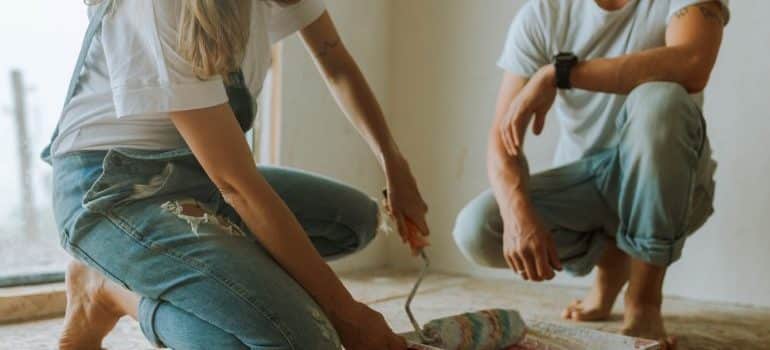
213,35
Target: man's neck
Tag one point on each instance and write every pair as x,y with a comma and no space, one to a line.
612,5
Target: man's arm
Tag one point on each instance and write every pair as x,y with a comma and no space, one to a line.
527,245
507,172
693,38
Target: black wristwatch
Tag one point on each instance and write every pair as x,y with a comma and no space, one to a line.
564,61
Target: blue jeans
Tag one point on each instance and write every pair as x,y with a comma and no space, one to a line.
647,194
205,281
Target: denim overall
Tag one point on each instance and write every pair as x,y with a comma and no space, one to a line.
205,281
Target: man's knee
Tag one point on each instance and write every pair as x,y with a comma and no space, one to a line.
659,93
473,231
468,233
661,116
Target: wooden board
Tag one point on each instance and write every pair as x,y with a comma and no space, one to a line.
550,336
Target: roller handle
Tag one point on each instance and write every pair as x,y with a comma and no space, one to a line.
413,237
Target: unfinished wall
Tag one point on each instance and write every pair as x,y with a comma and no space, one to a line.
316,135
443,91
443,88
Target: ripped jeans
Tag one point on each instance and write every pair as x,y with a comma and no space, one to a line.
155,224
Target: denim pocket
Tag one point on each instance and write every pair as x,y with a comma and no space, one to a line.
129,175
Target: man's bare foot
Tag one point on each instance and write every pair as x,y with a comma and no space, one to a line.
91,309
647,322
612,275
597,305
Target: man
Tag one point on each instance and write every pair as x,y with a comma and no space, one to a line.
634,175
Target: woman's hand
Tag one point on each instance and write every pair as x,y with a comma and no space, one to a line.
403,198
366,329
357,101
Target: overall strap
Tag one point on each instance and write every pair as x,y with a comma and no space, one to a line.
94,26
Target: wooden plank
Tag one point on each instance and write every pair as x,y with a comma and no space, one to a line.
21,304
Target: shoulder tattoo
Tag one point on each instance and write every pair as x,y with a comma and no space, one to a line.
705,10
710,14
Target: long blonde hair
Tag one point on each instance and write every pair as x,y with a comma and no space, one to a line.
213,35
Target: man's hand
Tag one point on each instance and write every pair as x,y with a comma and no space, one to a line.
535,99
528,247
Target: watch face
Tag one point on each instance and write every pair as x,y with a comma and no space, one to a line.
564,61
565,56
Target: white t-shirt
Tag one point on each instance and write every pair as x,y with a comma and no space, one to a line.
543,28
134,76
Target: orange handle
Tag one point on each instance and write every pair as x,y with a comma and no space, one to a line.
414,237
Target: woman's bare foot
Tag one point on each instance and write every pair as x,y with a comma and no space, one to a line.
647,322
612,275
92,310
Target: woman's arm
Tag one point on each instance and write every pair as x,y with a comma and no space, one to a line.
355,97
216,140
349,86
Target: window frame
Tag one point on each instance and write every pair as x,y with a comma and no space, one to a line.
265,143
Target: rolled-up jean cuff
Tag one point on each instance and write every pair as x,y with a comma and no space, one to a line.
147,309
655,251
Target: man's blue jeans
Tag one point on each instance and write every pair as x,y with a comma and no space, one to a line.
648,193
205,281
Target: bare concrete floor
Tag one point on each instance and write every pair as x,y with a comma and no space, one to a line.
697,325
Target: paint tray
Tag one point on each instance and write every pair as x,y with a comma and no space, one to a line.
550,336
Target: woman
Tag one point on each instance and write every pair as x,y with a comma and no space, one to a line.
156,189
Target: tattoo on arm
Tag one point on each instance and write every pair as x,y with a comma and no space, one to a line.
710,14
681,13
707,12
328,46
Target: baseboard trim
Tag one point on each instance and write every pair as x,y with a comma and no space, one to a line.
20,304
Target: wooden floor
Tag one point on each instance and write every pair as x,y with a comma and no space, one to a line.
697,325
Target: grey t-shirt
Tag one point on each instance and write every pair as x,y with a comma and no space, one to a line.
543,28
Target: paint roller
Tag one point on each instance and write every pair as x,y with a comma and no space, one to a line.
483,330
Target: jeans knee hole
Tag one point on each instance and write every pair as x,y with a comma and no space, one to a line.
196,214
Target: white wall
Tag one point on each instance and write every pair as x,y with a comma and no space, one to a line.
316,135
442,92
442,96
